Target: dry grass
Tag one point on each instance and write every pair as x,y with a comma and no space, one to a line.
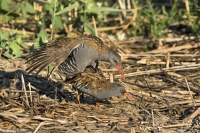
164,80
165,86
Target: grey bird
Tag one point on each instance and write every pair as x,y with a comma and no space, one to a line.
73,55
96,85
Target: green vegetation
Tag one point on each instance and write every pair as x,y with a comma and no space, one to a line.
155,25
23,21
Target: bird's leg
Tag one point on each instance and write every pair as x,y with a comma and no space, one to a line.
94,100
69,80
93,67
96,103
82,95
78,97
97,65
90,69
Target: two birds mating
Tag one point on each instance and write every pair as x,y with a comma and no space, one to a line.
80,55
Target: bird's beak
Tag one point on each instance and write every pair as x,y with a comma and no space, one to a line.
120,71
126,94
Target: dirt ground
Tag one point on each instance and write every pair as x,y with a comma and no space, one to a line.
163,82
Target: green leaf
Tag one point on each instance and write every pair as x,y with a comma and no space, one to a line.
24,12
105,9
69,8
8,53
29,8
35,46
24,35
49,8
4,4
16,49
89,28
42,38
43,35
45,2
13,33
50,68
23,45
19,39
58,22
3,45
82,1
164,11
6,18
52,2
4,35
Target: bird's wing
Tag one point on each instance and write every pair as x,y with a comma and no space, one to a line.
55,52
92,81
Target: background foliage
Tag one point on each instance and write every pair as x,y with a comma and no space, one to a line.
27,24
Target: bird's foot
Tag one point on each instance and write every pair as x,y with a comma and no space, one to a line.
98,105
78,97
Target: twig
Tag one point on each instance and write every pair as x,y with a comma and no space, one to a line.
168,60
141,39
183,102
53,18
172,49
152,115
190,92
8,116
111,77
112,129
156,55
154,71
177,125
95,27
56,93
122,6
24,89
30,92
187,7
178,83
193,115
41,124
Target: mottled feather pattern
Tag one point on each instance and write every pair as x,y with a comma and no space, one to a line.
92,81
58,50
68,68
99,44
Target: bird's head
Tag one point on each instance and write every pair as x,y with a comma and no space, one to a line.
115,60
118,90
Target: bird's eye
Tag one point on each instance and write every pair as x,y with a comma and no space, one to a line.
123,90
115,61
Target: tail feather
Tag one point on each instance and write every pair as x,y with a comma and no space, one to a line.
36,58
39,60
44,66
41,64
36,55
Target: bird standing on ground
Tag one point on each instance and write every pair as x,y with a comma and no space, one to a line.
96,85
73,55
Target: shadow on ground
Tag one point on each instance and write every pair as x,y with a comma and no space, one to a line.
41,85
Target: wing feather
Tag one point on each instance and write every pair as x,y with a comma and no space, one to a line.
58,50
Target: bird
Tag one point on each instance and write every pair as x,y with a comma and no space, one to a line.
96,85
72,55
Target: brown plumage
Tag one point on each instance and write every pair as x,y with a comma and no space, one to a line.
96,85
96,80
73,55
